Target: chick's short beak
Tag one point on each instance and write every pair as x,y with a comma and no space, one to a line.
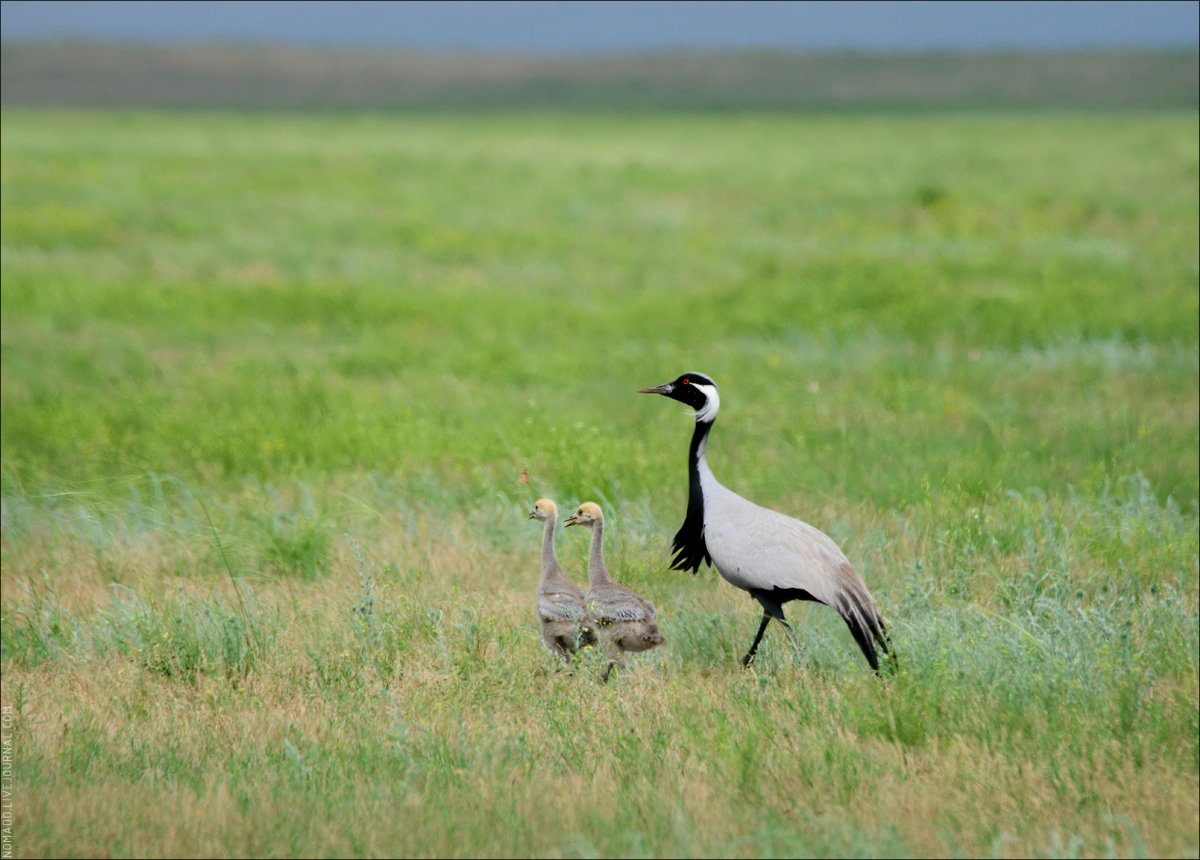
570,521
665,388
533,513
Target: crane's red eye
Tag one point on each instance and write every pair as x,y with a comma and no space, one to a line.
685,381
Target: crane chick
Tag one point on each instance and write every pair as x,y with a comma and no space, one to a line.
560,603
623,620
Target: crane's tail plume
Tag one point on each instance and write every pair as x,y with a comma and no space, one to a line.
869,632
858,610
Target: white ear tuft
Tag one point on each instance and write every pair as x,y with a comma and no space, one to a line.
712,402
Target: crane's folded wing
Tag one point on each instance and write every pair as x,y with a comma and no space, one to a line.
611,607
557,608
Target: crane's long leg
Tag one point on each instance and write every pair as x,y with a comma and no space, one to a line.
614,657
792,634
762,628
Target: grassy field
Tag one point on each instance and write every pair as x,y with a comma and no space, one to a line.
269,382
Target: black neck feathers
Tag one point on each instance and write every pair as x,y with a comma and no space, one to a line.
688,546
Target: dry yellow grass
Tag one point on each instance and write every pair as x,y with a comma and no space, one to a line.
467,741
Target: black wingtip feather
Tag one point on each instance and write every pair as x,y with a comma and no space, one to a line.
869,632
863,639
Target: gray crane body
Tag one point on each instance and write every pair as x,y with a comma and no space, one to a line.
779,558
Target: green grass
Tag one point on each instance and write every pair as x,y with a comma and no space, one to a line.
268,383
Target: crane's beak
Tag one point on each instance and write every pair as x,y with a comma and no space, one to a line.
532,514
665,388
570,521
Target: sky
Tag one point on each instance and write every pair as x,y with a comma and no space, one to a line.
587,26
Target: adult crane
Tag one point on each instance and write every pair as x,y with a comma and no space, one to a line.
774,557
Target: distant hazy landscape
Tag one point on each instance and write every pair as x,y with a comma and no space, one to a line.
277,76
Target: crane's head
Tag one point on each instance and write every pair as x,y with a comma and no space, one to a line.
543,509
587,515
694,389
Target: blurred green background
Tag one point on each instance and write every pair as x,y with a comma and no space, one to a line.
889,303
